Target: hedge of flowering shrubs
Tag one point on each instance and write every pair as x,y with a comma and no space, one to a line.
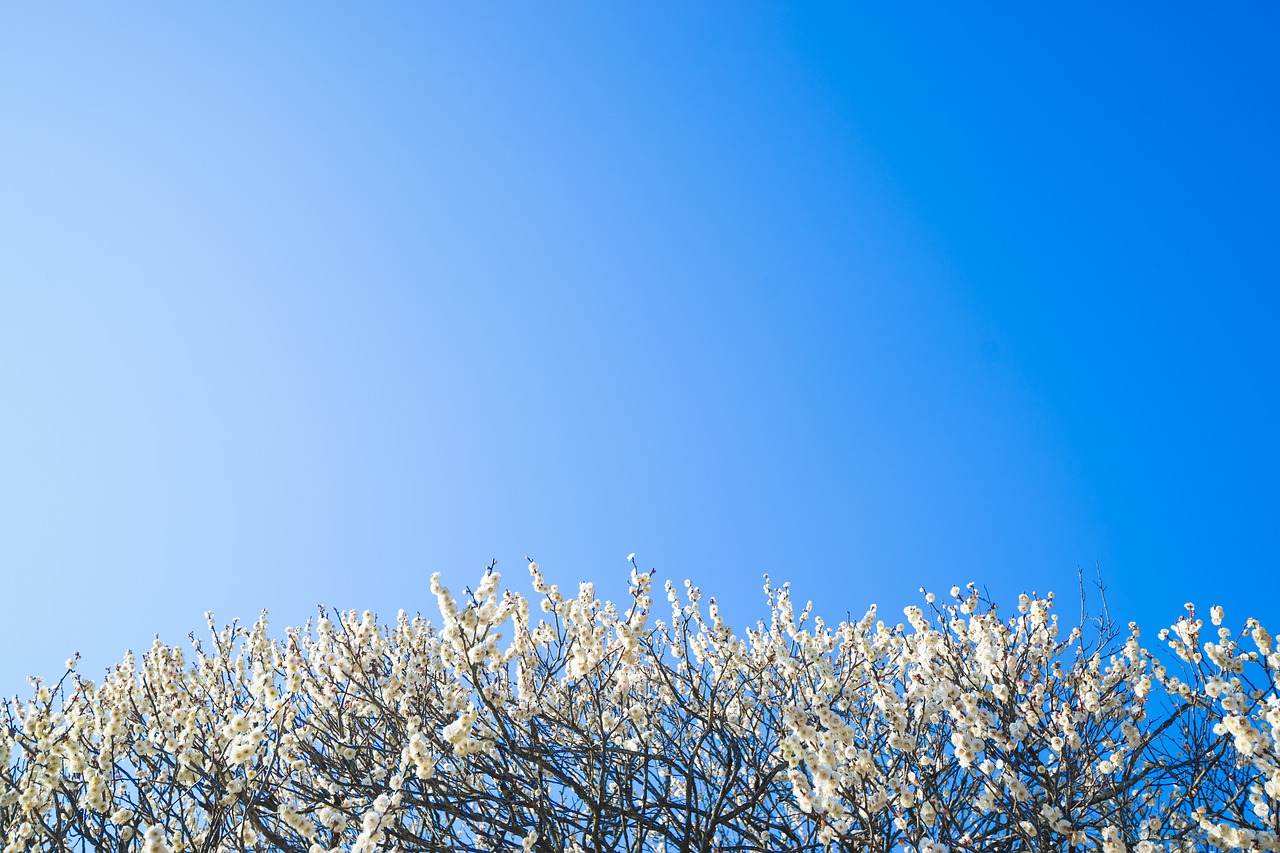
570,724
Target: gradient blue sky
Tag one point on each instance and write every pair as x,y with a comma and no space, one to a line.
300,303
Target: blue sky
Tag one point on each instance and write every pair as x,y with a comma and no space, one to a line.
301,303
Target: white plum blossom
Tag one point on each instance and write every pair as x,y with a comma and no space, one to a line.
559,723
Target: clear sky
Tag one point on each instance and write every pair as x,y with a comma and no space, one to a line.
300,303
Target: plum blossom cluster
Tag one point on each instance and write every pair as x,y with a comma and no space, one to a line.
568,723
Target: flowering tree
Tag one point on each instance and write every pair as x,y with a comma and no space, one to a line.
592,726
